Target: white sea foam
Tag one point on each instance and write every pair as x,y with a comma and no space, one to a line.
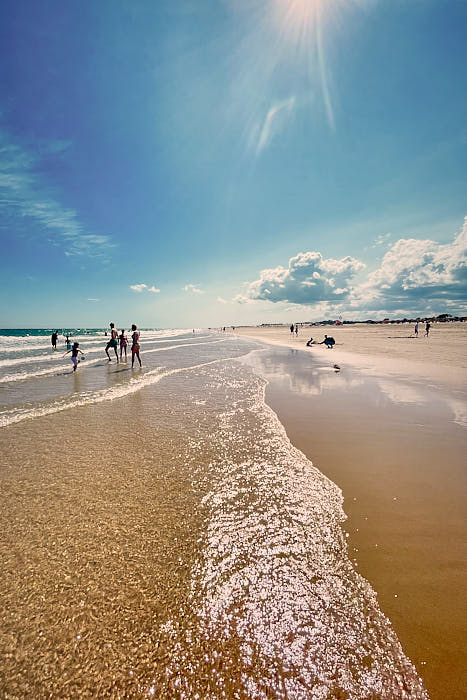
274,592
21,376
16,415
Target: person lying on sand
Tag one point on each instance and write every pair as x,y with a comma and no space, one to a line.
311,342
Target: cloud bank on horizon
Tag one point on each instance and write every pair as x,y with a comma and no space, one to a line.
414,276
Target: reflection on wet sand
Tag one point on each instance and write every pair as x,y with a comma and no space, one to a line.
396,447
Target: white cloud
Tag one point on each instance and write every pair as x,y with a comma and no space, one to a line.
193,289
154,290
138,287
418,277
221,300
91,299
307,279
274,121
25,195
417,273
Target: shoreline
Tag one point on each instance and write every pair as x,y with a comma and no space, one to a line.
394,445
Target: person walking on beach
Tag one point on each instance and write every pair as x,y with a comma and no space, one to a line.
113,343
135,345
123,343
291,329
54,339
427,329
74,355
416,329
296,330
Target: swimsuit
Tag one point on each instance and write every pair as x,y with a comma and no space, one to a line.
135,338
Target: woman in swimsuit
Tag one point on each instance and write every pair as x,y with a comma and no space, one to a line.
123,343
135,345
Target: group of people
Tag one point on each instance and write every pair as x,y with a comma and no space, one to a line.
328,341
116,341
121,340
427,329
294,329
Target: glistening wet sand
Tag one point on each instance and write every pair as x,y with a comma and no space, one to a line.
394,448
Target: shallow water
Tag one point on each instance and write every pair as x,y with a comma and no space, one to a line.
162,537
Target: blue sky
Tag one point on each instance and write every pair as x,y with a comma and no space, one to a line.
225,162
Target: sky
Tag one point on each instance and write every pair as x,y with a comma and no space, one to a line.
223,162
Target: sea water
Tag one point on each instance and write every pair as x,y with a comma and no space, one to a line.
163,537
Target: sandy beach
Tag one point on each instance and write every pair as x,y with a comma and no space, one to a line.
392,348
163,535
390,430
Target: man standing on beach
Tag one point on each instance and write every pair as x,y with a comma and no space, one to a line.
416,328
427,329
291,328
113,342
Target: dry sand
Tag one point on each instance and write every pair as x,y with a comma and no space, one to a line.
390,348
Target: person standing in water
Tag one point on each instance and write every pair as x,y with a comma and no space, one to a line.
54,340
135,345
68,342
113,342
123,343
74,355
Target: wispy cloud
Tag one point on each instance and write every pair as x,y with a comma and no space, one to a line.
221,300
25,194
193,289
92,299
274,122
154,290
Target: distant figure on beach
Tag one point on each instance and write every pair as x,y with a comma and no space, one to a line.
54,339
296,329
68,342
74,355
416,328
328,341
113,342
123,343
427,329
292,328
311,342
135,345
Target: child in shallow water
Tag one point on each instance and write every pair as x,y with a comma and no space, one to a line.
123,343
74,355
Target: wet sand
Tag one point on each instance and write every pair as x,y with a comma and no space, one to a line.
396,446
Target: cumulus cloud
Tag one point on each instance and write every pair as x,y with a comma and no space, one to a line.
308,278
414,277
414,273
154,290
138,287
193,289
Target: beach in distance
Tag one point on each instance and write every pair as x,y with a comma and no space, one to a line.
239,517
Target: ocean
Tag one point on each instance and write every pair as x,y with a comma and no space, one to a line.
162,537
